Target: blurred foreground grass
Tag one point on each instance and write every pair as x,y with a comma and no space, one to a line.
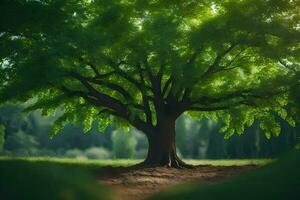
32,179
280,180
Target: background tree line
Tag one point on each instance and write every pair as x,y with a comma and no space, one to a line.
27,135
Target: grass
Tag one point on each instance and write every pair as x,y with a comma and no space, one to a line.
43,179
129,162
82,163
231,162
279,180
50,178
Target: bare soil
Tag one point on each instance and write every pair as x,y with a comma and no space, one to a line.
140,183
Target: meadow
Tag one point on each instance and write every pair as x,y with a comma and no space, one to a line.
128,162
69,179
63,178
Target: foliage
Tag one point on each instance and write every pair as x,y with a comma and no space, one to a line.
74,153
206,142
26,135
124,144
2,139
22,143
132,62
90,153
22,179
97,153
276,181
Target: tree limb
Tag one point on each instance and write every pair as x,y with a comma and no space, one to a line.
166,86
144,96
216,108
218,59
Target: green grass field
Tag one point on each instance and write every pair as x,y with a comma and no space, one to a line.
128,162
32,179
68,179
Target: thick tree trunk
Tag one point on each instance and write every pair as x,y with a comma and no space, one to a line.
162,146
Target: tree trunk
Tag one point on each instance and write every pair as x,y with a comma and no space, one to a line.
162,146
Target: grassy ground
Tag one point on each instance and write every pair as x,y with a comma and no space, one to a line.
35,179
279,180
129,162
232,162
50,178
81,163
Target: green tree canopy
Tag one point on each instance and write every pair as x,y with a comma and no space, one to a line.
144,63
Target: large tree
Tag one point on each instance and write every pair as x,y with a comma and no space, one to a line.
143,63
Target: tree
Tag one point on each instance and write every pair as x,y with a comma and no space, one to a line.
2,139
124,145
144,63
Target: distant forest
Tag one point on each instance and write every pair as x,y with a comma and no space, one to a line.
24,134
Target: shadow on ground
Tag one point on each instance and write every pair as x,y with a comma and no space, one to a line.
139,183
277,181
26,180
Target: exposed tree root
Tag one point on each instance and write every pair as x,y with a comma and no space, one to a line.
174,162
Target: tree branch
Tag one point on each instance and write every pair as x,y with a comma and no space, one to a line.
144,96
94,68
233,99
216,108
104,99
166,86
82,94
218,59
283,63
235,58
112,86
123,74
109,108
148,70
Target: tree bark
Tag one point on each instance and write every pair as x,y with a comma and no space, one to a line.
162,146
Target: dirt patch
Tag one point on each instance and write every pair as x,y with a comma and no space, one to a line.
138,184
